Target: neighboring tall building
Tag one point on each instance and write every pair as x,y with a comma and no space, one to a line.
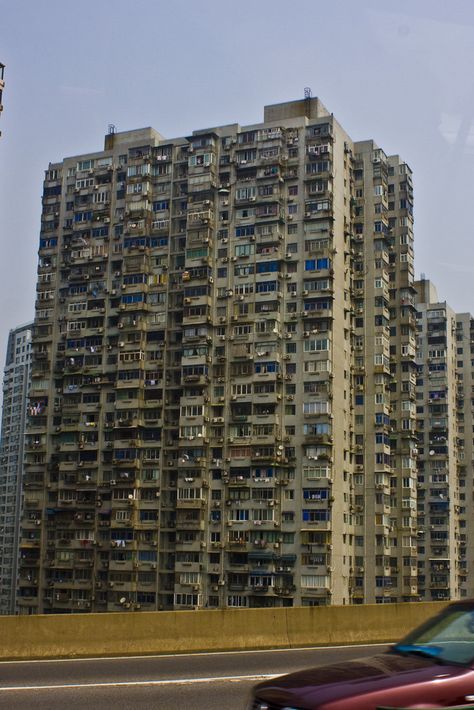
16,381
438,480
382,388
2,86
445,461
224,351
465,411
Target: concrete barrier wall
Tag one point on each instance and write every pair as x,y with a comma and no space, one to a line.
82,635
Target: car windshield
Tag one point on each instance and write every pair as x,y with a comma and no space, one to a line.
447,638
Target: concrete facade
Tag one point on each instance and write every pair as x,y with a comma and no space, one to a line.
16,381
465,437
224,345
444,456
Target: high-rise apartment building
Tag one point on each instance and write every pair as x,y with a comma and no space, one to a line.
16,380
224,352
438,482
444,413
382,388
465,439
2,86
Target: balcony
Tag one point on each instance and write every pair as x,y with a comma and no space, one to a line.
188,503
200,380
261,589
189,523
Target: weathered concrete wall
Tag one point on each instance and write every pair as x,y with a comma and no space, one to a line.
67,636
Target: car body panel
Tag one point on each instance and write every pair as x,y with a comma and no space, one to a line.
365,684
433,667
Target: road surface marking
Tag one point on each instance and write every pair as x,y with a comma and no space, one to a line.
134,683
195,653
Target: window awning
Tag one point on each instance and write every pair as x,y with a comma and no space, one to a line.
287,558
262,555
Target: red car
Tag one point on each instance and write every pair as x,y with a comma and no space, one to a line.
433,667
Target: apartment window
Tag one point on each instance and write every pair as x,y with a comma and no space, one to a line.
82,216
320,166
197,253
187,599
203,160
319,429
245,230
160,205
236,600
266,286
266,367
262,514
315,407
314,581
316,345
316,516
244,249
85,165
239,515
316,264
316,285
317,366
317,245
83,183
162,169
314,473
266,267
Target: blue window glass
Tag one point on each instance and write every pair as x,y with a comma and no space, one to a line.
160,205
100,231
245,231
133,298
268,267
262,367
46,243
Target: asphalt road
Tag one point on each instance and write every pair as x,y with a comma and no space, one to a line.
206,681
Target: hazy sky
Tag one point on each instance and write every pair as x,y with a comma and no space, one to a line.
398,72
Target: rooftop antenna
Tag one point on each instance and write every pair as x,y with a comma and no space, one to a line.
307,98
